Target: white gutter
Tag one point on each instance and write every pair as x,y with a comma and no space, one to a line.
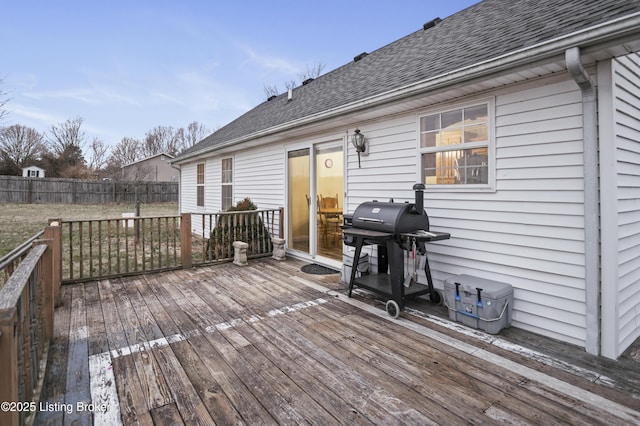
591,206
613,29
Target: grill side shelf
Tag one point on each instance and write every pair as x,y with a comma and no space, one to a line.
427,236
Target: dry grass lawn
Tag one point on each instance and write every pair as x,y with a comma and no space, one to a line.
19,222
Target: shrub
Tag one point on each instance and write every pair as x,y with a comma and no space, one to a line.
243,205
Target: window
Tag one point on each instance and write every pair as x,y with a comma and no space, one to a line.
454,146
200,185
227,183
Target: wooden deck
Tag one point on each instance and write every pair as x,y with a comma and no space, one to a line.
268,344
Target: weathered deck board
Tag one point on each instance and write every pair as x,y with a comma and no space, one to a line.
239,339
235,396
258,345
133,407
325,334
228,344
211,393
54,389
154,385
78,389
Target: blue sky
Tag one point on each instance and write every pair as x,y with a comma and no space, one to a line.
126,67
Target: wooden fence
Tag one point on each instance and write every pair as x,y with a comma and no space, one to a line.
26,326
16,189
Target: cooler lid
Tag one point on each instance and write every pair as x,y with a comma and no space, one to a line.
490,289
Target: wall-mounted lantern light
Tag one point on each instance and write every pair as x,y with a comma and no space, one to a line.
357,139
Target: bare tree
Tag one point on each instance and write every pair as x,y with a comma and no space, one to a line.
195,133
21,145
270,91
98,152
291,84
3,101
162,139
312,71
125,152
66,135
66,141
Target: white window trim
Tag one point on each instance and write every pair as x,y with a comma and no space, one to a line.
491,147
203,185
231,184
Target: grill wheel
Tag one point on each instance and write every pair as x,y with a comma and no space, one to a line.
392,308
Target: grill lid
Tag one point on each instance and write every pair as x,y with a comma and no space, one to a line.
390,217
395,218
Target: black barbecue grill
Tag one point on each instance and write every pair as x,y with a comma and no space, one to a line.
396,228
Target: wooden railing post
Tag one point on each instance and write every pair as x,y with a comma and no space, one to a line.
47,279
9,364
53,232
185,241
281,224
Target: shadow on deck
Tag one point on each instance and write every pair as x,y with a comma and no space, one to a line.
268,344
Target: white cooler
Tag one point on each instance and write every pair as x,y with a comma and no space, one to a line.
490,312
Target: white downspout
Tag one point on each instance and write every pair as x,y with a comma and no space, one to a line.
591,209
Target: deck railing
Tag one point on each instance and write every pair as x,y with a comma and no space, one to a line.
26,325
216,232
10,261
104,248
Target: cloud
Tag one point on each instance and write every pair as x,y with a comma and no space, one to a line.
42,121
168,98
203,93
271,63
34,115
91,96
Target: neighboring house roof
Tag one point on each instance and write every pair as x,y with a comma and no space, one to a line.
493,30
33,168
148,158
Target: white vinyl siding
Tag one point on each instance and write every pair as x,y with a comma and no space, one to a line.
260,175
188,187
535,218
529,231
389,170
626,75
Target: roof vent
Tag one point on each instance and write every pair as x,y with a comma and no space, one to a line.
289,95
307,81
432,23
272,97
360,56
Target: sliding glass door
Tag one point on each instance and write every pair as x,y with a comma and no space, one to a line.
298,202
329,193
315,188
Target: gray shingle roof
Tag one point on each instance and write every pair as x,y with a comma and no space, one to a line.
485,30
